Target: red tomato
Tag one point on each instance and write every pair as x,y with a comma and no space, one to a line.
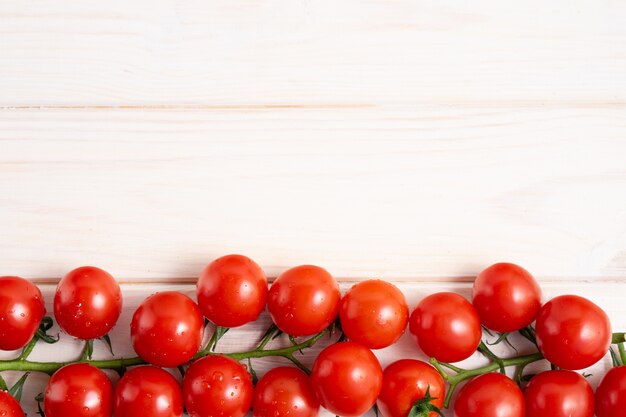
217,386
611,394
147,391
9,407
87,302
404,383
490,395
347,379
78,390
21,311
167,329
374,313
559,394
506,297
446,327
573,332
232,291
304,300
285,392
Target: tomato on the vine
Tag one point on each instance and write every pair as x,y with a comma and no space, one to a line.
559,394
78,390
21,311
506,297
217,386
166,329
611,394
572,332
446,326
304,300
374,313
285,392
9,406
147,391
490,395
406,382
232,291
347,379
87,302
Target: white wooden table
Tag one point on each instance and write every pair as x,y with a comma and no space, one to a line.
414,141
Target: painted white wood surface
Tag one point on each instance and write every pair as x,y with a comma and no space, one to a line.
608,295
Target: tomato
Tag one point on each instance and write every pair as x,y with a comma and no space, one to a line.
611,394
285,392
78,390
506,297
147,391
446,327
87,302
490,395
559,394
304,300
572,332
347,379
232,291
21,311
374,313
9,407
405,382
166,329
217,386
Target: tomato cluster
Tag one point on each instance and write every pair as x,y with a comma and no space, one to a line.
167,331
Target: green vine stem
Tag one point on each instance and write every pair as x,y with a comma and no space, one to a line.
120,365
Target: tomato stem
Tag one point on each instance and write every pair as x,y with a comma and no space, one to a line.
622,353
29,348
3,384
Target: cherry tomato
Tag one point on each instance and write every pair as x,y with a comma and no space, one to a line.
611,394
347,379
506,297
147,391
166,329
232,291
446,327
285,392
304,300
404,383
78,390
490,395
21,311
374,313
572,332
559,394
9,407
87,302
217,386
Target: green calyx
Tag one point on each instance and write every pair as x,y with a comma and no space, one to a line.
424,406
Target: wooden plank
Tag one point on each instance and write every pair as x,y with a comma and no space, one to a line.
281,52
608,295
423,193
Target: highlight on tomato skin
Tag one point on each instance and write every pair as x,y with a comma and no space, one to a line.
406,381
446,327
559,393
304,300
166,329
285,391
21,310
217,386
232,291
507,297
347,379
491,394
572,332
374,313
148,391
87,303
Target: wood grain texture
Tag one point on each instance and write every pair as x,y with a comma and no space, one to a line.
421,193
284,52
607,295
